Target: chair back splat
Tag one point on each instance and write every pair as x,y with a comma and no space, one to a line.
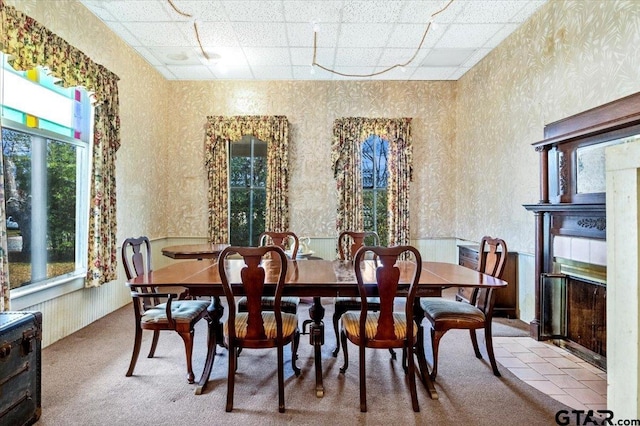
257,327
384,328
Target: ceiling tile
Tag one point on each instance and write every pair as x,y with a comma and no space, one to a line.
476,57
255,11
422,11
204,11
175,55
353,73
499,11
302,34
266,56
310,73
166,73
446,57
260,33
304,56
138,11
459,72
191,72
313,11
433,73
157,33
400,74
409,35
400,56
364,35
347,57
500,35
374,11
467,36
273,73
214,34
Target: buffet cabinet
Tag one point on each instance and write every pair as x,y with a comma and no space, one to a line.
506,298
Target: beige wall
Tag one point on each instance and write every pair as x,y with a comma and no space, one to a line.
569,57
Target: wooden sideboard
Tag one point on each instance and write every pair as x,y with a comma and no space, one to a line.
506,298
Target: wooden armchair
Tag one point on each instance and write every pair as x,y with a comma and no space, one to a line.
158,311
258,328
385,328
285,240
445,315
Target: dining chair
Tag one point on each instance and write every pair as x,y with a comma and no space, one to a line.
258,328
285,240
447,314
160,310
384,328
348,244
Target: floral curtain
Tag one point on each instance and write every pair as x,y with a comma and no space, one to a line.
220,132
30,44
348,135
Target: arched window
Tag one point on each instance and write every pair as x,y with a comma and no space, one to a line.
375,175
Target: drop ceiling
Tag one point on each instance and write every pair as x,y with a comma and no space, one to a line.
274,39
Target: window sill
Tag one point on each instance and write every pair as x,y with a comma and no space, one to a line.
22,298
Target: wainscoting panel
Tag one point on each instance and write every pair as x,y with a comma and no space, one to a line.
71,312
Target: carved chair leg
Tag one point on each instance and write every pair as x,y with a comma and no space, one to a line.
435,342
187,337
233,358
136,350
404,361
489,342
345,352
280,379
363,381
474,341
336,319
294,352
154,343
412,378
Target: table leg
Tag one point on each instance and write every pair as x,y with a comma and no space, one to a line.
316,338
214,337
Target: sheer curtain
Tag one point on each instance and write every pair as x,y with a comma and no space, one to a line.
220,132
348,135
30,44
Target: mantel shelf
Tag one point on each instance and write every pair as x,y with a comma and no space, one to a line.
565,207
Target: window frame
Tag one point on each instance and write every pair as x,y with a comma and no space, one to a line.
32,294
252,188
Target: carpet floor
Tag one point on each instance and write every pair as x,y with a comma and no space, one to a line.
84,383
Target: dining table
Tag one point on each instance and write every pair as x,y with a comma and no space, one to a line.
194,251
316,279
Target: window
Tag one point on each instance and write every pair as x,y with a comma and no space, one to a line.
375,173
46,133
247,190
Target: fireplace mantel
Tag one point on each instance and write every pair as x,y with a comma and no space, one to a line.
572,207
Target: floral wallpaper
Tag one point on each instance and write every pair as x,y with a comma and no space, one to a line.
311,108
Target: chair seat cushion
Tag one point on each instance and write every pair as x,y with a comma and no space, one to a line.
447,310
351,324
288,304
289,324
353,303
181,311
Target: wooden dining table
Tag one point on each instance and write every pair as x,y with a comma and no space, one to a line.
317,279
194,251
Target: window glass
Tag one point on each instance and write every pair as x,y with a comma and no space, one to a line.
247,190
45,148
375,151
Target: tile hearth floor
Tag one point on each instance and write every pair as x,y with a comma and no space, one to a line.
554,371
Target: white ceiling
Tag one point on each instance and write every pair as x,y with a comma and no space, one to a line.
273,39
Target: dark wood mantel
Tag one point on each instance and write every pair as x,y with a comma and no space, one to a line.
563,210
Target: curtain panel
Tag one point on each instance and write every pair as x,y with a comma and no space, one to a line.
30,44
348,135
220,132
